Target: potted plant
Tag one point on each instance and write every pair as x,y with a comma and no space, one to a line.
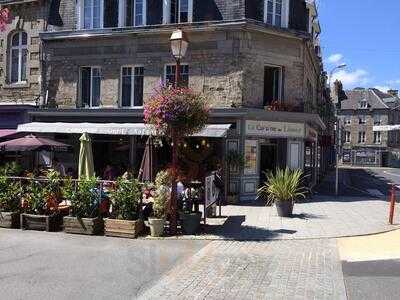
190,219
85,214
234,159
283,188
160,200
10,200
40,205
124,220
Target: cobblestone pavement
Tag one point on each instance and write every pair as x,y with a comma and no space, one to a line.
323,217
256,270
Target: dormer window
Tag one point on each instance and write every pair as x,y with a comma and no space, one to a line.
276,12
363,104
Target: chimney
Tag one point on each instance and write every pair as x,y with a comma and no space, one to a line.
394,93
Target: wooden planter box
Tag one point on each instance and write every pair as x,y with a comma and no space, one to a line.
41,222
123,228
88,226
9,219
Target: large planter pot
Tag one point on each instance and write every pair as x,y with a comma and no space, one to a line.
123,228
156,227
190,222
9,220
284,208
41,222
87,226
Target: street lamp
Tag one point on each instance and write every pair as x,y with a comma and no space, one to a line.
337,142
179,46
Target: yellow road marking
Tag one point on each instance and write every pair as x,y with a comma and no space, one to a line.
368,248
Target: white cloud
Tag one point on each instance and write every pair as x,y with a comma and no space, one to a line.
382,88
394,82
350,79
335,58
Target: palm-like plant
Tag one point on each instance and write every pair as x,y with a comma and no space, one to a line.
283,185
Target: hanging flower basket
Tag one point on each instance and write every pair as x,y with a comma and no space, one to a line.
5,18
176,111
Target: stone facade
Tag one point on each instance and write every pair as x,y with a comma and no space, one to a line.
228,65
30,18
379,109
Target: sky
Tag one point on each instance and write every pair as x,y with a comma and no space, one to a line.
364,34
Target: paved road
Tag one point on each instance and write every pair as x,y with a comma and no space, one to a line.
371,266
361,182
39,265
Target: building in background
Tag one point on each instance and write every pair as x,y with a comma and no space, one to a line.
259,62
360,110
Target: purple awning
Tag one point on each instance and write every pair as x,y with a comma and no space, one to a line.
31,143
7,132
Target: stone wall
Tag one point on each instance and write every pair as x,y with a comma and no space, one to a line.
228,65
29,17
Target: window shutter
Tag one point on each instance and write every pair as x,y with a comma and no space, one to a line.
206,10
255,10
154,12
299,15
54,17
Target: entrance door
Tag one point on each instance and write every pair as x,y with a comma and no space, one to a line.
268,160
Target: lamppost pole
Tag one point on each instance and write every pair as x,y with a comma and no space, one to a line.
337,139
179,45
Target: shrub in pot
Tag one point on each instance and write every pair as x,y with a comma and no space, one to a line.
10,203
124,220
162,194
283,188
85,214
40,206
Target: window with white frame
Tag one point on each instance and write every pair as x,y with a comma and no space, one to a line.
132,86
170,73
90,86
361,137
91,14
94,14
362,119
18,57
177,11
276,12
135,11
272,84
377,137
347,136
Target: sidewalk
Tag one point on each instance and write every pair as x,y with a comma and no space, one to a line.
256,270
323,217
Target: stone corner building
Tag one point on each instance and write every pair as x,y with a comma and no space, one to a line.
360,110
98,61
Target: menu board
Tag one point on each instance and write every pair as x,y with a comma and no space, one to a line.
250,154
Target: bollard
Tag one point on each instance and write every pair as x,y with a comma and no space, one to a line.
392,204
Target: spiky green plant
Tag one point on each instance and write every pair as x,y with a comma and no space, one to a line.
283,185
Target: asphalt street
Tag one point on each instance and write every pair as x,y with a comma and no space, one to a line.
42,265
361,182
371,280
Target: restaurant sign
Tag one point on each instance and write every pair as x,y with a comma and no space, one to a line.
275,129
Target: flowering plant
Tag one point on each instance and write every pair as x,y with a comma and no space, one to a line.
176,111
4,18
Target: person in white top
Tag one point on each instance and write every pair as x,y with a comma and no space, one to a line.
59,167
